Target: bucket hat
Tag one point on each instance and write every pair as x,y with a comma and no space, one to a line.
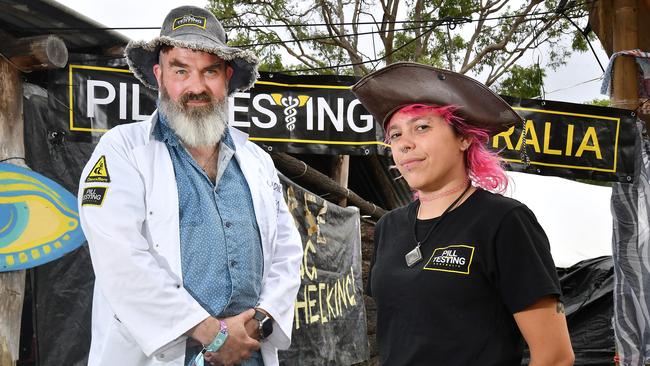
197,29
385,91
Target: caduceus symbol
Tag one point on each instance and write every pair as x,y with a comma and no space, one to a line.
290,103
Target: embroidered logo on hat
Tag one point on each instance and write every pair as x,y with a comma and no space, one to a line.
189,20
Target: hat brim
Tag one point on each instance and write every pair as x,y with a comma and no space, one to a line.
400,84
143,55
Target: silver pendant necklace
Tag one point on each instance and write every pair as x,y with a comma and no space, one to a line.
414,256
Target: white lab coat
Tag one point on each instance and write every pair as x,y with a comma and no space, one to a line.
140,307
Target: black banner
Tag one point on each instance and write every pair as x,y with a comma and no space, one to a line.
570,140
318,114
330,319
307,114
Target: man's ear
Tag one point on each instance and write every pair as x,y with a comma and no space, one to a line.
157,72
229,72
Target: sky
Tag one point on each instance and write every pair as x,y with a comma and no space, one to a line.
559,85
576,216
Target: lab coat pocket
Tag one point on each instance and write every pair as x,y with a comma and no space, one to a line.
120,348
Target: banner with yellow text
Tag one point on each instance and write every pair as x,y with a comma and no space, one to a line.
570,140
330,320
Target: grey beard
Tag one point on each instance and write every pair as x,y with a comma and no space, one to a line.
198,126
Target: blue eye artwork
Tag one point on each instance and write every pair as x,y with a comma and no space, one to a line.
39,221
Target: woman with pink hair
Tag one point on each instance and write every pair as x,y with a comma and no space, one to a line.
462,275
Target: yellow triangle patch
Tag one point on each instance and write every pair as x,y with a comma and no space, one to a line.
99,172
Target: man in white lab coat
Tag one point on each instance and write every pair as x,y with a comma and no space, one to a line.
195,254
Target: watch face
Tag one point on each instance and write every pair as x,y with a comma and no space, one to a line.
267,327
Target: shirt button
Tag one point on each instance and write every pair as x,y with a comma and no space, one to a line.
228,224
233,263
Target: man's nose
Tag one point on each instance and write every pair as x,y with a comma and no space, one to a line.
196,83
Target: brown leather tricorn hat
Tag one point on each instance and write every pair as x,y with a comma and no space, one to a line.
385,91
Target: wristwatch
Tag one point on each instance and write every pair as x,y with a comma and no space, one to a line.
266,324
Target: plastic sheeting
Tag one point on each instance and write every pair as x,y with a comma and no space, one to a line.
630,209
587,297
62,290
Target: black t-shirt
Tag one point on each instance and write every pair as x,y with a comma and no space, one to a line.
487,259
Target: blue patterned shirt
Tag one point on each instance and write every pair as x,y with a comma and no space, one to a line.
221,248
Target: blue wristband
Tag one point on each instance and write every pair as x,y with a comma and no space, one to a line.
220,338
214,346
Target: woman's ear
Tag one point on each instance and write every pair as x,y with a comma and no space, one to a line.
464,143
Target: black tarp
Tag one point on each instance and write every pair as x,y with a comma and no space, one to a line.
587,294
62,290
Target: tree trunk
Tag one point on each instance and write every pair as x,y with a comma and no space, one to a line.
12,284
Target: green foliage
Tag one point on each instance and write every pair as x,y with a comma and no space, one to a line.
600,102
523,82
487,37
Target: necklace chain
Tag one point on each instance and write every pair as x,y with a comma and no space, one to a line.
204,166
415,255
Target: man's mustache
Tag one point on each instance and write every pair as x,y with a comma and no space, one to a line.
202,97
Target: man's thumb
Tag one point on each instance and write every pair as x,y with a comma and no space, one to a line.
248,314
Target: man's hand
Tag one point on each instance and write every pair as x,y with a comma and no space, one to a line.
253,329
239,345
253,325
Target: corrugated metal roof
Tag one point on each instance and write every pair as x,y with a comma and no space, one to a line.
40,17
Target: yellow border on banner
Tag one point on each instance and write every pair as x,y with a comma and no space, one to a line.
71,93
618,127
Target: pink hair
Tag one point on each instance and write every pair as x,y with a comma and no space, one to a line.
483,166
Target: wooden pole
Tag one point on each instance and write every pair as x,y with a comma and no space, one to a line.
298,169
625,79
26,54
383,180
12,284
340,172
36,53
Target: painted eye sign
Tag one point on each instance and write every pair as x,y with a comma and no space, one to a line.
39,221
